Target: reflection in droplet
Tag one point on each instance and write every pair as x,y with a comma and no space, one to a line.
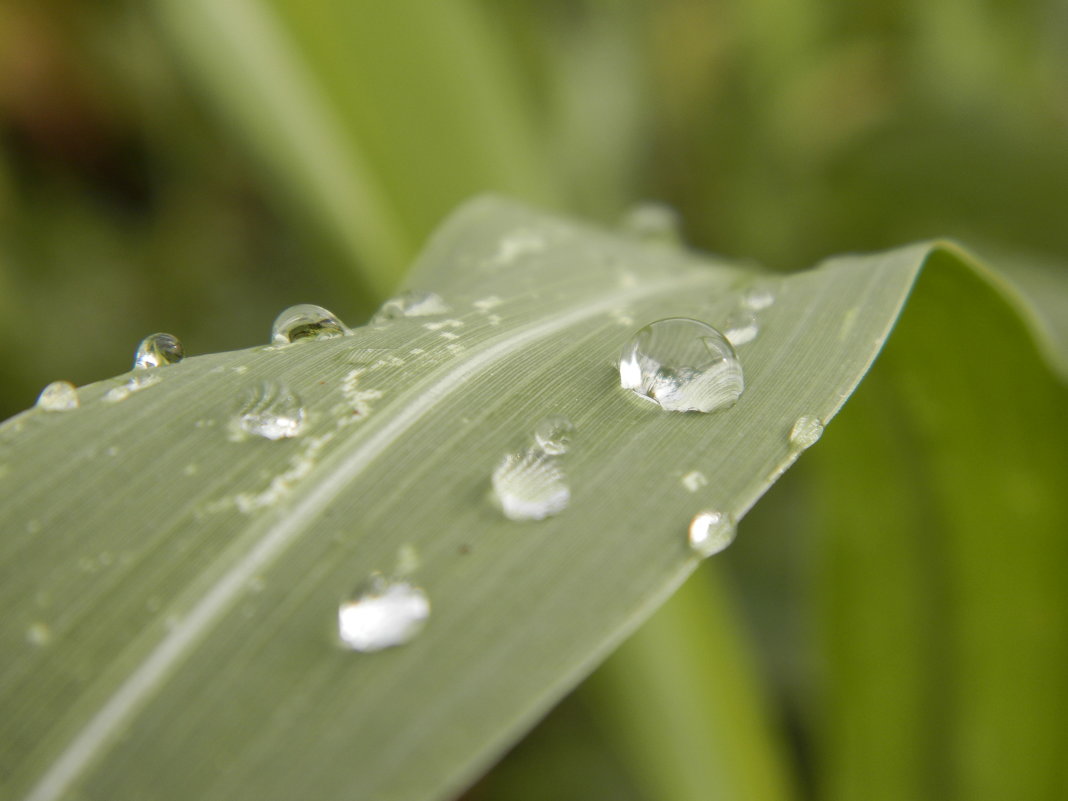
158,350
59,396
382,614
269,410
683,365
413,303
711,532
805,432
553,435
306,321
530,485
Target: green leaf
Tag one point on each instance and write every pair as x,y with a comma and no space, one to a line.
171,594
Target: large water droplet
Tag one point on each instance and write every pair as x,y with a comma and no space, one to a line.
271,411
59,396
740,328
306,321
682,364
530,485
653,222
711,532
553,435
382,614
805,432
158,350
413,303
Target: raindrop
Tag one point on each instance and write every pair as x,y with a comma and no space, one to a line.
306,321
271,411
382,614
740,328
59,396
653,222
158,350
683,365
805,433
413,303
530,485
553,435
711,532
757,298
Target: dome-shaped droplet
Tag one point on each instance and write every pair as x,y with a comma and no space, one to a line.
530,485
158,350
59,396
741,328
553,435
805,432
269,410
382,614
413,303
682,364
653,222
711,532
306,321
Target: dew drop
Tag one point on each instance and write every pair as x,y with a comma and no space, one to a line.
306,321
711,532
59,396
740,328
530,485
653,222
553,435
694,480
158,350
683,365
806,432
413,303
757,298
382,614
271,411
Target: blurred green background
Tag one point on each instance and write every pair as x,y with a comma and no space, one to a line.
194,166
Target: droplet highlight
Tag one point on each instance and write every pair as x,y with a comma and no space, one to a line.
270,410
383,614
530,485
158,350
306,321
683,365
553,435
59,396
710,532
806,432
414,303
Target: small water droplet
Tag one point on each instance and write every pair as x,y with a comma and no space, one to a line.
383,614
413,303
553,435
711,532
683,365
305,321
529,485
757,298
135,384
653,222
740,328
694,480
158,350
59,396
269,410
805,432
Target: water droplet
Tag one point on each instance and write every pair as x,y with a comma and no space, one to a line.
530,485
757,298
553,435
383,614
711,532
653,222
694,480
135,384
740,328
805,433
158,350
306,321
682,364
59,396
39,634
413,303
271,411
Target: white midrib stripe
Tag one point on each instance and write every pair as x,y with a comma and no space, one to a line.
100,730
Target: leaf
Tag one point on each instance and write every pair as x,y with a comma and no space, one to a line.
171,594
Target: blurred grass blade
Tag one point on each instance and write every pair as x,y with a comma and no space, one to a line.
171,593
